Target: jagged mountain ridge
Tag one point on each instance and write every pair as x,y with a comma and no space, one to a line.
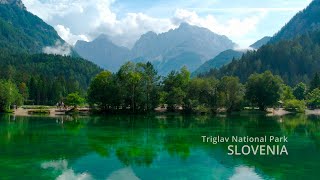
17,3
186,45
185,38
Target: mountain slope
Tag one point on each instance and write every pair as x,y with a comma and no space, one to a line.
48,78
22,31
220,60
295,60
103,52
226,57
261,42
303,22
41,78
293,53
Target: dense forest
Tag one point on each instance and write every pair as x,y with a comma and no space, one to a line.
22,31
295,60
305,21
137,88
45,79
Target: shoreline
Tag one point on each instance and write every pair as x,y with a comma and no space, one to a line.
54,112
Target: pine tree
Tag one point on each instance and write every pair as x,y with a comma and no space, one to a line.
315,83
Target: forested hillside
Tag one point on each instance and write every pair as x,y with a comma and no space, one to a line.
22,31
220,60
294,60
305,21
45,79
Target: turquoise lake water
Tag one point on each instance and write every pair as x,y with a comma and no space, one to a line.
154,147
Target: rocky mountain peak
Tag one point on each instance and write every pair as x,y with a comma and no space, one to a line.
18,3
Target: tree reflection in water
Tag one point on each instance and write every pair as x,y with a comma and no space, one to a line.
147,141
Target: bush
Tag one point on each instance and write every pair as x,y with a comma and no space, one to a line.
313,99
295,105
9,95
74,99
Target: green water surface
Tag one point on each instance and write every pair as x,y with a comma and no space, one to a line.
154,147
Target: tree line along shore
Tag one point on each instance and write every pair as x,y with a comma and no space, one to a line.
137,88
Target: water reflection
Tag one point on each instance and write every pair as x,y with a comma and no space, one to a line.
246,173
66,173
142,147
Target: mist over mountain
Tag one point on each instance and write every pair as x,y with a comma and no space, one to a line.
103,52
187,45
22,31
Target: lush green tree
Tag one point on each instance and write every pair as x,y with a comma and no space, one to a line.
150,86
286,93
9,95
134,86
300,91
202,92
264,89
130,80
175,88
295,105
46,79
74,99
103,91
315,82
313,98
230,93
24,91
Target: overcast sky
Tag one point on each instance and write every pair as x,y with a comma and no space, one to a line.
124,21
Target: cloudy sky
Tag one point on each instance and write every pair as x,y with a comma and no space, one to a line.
124,21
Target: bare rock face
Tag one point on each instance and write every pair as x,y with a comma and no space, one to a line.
18,3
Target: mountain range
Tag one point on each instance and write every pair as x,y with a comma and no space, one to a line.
103,52
186,45
227,56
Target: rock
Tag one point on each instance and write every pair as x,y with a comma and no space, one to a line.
18,3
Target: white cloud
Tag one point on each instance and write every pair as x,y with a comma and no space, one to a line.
65,34
89,19
127,30
58,49
234,28
84,20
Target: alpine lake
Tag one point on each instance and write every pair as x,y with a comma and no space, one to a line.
155,147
